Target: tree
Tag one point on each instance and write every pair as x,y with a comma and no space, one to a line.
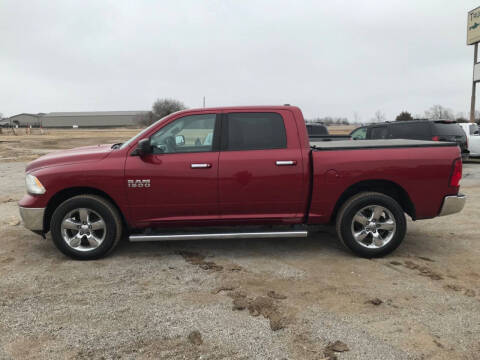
164,107
379,116
144,119
160,109
404,116
438,112
328,120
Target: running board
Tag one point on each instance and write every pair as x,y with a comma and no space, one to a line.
210,236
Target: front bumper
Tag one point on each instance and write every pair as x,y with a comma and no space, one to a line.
452,204
32,218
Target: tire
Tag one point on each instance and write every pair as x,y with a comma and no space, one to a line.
86,227
371,224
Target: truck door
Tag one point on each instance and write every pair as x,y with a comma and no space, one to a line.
178,181
261,173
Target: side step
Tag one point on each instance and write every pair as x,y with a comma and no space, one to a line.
210,236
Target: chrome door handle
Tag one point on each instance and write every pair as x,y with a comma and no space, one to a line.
200,166
286,162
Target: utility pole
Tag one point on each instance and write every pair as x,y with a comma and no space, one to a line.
474,85
473,38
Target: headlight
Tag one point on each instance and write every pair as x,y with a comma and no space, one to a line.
34,186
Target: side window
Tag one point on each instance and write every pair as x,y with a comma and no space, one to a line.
416,131
193,133
378,132
359,134
253,131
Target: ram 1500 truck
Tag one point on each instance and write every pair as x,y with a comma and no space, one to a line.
238,172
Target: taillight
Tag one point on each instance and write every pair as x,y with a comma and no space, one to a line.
436,138
456,173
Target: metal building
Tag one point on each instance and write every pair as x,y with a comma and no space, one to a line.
76,119
25,119
90,119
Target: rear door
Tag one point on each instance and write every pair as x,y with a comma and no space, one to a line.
261,175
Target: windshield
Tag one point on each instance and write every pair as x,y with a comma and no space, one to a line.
141,133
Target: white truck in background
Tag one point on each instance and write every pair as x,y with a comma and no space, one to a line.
473,138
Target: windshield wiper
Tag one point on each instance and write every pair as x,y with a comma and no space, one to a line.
116,146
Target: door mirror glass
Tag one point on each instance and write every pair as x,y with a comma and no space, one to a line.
179,140
143,147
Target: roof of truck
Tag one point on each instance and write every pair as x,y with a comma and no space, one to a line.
375,144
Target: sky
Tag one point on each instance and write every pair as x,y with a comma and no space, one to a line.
330,58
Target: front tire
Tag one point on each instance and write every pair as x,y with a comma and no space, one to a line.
86,227
371,224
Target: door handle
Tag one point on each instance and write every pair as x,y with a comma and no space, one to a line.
286,163
200,166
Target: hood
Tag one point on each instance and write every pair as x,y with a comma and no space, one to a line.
63,157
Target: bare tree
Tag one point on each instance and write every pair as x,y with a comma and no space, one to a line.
438,112
356,117
164,107
160,109
144,119
329,120
379,116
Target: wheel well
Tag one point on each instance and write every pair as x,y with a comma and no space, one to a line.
386,187
65,194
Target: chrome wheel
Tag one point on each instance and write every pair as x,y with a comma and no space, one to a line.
83,229
373,226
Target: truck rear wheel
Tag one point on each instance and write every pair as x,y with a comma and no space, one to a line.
86,227
371,224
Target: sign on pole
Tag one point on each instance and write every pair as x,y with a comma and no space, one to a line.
473,26
476,72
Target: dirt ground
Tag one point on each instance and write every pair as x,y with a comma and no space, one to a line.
236,299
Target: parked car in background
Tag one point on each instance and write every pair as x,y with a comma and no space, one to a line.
473,138
319,132
433,130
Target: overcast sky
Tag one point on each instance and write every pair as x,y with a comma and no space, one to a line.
331,58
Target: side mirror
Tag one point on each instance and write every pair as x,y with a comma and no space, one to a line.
143,147
179,140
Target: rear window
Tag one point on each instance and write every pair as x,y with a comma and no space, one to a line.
253,131
317,130
413,130
447,129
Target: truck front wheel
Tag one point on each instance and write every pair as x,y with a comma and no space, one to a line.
86,227
371,224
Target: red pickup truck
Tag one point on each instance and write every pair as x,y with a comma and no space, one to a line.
238,172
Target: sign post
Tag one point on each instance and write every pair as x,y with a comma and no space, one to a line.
474,84
473,37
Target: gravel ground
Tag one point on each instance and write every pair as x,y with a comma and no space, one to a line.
247,299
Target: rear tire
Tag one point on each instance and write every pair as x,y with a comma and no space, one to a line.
371,224
86,227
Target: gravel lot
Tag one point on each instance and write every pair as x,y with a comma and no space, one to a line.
242,299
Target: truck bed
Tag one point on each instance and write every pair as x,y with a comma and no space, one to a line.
375,144
422,173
